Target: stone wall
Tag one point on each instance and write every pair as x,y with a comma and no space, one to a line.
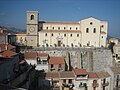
91,59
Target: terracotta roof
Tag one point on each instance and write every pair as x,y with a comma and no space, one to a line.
102,32
6,47
61,23
103,74
56,60
22,62
10,47
30,55
42,55
8,53
21,33
80,71
116,70
67,74
61,31
92,75
52,75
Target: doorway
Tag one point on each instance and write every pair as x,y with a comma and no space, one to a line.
59,43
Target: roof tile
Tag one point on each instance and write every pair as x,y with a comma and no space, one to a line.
80,71
30,55
92,75
67,74
8,53
103,74
52,75
56,60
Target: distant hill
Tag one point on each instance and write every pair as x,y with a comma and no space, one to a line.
108,37
12,29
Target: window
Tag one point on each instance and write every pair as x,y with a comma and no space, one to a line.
76,28
52,65
94,81
72,44
58,28
77,35
32,17
64,28
102,26
38,60
46,34
41,28
91,23
52,34
70,81
53,27
64,81
70,28
46,27
60,66
88,44
64,35
94,30
71,35
44,62
25,39
87,30
46,45
21,39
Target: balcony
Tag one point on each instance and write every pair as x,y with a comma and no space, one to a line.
82,77
95,84
81,85
52,69
105,84
60,69
69,85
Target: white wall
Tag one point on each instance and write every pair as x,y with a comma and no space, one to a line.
96,39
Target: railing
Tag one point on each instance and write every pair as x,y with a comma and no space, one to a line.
82,85
52,69
69,85
105,84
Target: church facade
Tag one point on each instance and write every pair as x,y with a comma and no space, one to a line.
89,32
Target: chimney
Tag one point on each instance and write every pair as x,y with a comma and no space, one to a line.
6,47
1,31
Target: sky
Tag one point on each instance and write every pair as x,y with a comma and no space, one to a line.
13,12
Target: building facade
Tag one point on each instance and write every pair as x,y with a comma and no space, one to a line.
89,32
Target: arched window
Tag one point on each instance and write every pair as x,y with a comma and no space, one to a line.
87,30
52,34
32,17
94,30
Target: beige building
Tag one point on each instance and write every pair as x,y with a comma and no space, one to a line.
3,36
40,60
114,40
88,32
21,38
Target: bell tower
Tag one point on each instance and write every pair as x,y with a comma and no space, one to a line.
32,28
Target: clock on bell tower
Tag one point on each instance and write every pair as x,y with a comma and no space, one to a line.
32,28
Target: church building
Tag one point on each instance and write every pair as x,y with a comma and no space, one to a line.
90,32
